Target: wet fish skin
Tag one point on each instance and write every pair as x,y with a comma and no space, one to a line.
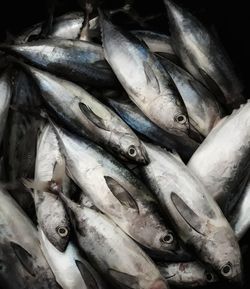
144,79
188,275
51,214
195,215
222,161
202,56
115,191
67,266
112,251
79,61
203,110
131,114
22,262
88,117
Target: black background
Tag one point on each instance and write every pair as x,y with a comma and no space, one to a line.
230,20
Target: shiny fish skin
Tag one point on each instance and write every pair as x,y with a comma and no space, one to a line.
202,56
188,275
116,192
65,266
20,269
131,114
222,161
66,26
144,79
5,91
113,252
195,215
94,120
79,61
203,110
51,214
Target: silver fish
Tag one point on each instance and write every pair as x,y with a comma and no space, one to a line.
87,116
188,275
144,79
5,90
79,61
131,114
222,161
115,191
202,56
66,26
112,251
195,215
71,270
22,263
203,110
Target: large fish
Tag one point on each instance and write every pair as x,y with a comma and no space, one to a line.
5,90
203,110
22,263
192,210
71,270
87,116
115,254
202,56
143,77
115,191
222,161
79,61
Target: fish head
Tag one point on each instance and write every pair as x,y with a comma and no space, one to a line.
131,148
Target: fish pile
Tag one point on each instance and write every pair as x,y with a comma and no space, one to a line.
124,156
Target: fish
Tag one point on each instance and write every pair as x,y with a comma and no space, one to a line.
51,215
193,212
222,161
22,263
71,270
188,275
144,79
6,91
88,117
116,192
203,56
78,61
203,110
66,26
132,115
113,252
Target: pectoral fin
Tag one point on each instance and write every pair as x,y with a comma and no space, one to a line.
151,77
129,281
87,275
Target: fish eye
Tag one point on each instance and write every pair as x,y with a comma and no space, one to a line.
132,151
181,118
168,238
226,269
209,277
62,231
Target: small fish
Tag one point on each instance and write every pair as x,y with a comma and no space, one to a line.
79,61
22,263
143,77
88,117
71,270
203,57
196,217
116,255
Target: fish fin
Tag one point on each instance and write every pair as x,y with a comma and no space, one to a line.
73,206
59,171
150,76
176,155
123,196
125,279
213,86
36,185
187,213
87,275
24,257
95,119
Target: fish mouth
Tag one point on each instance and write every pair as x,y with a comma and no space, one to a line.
195,135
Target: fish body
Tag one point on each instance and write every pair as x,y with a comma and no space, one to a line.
202,56
193,212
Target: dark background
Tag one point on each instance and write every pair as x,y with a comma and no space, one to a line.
230,20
